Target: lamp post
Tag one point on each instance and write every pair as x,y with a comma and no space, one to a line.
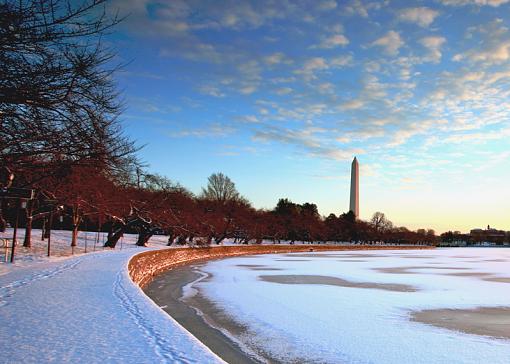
20,196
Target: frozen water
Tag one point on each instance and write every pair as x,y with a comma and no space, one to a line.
327,323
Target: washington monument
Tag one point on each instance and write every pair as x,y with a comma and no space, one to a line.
354,205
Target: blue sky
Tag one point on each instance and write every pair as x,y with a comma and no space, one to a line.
281,95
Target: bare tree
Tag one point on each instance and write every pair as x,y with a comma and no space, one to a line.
58,101
380,223
221,188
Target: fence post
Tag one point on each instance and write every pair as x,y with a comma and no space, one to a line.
49,232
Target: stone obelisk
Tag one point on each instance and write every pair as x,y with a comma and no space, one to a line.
354,205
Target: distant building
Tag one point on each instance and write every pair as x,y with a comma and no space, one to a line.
354,202
488,235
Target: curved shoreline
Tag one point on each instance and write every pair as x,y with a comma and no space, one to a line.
199,316
155,272
145,266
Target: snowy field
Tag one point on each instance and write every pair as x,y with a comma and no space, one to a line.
88,242
356,307
86,309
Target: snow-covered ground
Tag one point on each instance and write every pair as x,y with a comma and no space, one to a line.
87,242
337,324
85,309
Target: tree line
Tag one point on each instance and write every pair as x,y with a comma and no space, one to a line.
88,198
61,135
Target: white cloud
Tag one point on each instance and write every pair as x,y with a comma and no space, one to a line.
249,89
357,7
194,50
493,3
390,42
284,90
213,130
422,16
433,44
250,70
315,64
211,91
369,170
309,138
341,61
276,58
327,5
337,154
405,132
251,119
335,40
326,87
372,66
492,54
492,47
477,137
311,66
352,104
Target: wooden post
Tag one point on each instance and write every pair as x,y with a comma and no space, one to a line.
49,232
43,229
86,235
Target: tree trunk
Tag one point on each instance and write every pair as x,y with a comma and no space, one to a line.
114,238
3,223
171,238
220,239
144,236
27,243
75,235
76,225
110,231
115,235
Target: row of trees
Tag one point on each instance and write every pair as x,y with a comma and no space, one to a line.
150,204
59,106
60,135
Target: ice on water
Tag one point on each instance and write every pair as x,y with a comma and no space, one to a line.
324,323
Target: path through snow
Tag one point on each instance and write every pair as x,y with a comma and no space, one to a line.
89,311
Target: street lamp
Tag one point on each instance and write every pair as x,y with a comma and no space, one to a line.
20,196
